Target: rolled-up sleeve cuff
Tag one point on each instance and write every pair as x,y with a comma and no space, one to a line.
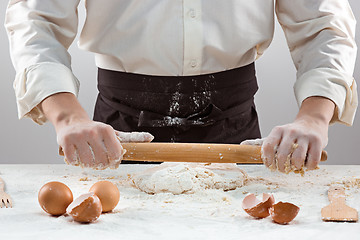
39,81
329,83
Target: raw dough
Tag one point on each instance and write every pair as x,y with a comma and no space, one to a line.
179,178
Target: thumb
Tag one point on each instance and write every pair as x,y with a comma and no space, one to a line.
134,136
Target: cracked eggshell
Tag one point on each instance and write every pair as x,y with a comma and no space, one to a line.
108,194
54,198
86,208
283,212
256,208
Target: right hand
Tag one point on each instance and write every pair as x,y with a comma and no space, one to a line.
85,142
89,144
95,144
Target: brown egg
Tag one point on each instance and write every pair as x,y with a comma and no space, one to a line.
86,208
108,193
283,212
256,208
54,198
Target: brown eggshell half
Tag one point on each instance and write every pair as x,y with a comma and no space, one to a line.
283,212
54,198
86,208
256,208
108,194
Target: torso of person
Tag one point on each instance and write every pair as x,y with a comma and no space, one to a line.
180,71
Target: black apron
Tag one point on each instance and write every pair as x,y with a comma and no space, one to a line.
209,108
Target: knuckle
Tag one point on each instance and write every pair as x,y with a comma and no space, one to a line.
91,132
277,129
67,138
105,130
293,132
108,131
315,139
104,127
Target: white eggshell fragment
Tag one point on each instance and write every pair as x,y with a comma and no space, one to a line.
86,208
256,208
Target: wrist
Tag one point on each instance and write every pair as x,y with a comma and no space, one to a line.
63,109
316,109
67,118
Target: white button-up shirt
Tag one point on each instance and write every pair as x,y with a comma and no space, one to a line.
181,38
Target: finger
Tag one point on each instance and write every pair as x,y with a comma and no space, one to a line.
299,154
284,153
256,142
270,146
314,155
112,146
101,159
134,136
8,203
70,154
67,149
115,164
85,153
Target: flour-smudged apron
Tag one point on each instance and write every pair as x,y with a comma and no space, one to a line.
209,108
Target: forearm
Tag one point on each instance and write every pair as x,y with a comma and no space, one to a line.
321,39
317,109
62,109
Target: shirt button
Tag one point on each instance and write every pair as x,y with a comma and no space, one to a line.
193,63
192,13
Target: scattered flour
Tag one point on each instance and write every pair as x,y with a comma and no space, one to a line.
211,213
189,178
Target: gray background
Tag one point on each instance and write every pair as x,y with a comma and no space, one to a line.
25,142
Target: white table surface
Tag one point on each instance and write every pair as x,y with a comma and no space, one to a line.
210,214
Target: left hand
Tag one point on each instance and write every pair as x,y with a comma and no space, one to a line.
298,144
295,145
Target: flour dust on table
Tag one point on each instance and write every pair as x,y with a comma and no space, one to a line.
210,214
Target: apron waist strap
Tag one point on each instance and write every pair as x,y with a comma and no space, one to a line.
207,116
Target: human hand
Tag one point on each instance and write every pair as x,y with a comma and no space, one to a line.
96,145
87,143
298,144
281,149
82,141
295,145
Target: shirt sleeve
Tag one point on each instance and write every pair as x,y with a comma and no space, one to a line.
320,36
40,33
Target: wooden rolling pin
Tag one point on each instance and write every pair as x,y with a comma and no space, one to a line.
194,152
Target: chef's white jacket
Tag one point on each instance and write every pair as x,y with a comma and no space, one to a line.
181,38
